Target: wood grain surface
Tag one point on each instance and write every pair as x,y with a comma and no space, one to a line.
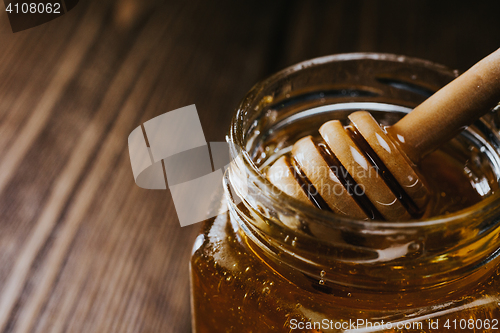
82,248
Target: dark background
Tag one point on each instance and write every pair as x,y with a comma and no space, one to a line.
82,248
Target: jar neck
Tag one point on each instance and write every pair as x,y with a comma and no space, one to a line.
360,262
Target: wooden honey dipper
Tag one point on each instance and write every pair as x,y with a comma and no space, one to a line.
364,171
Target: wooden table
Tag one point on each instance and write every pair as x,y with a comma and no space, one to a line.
82,248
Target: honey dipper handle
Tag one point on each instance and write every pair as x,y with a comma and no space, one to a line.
450,110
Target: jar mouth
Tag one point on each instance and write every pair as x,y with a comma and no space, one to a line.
253,103
332,251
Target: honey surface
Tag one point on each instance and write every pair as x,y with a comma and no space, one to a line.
452,185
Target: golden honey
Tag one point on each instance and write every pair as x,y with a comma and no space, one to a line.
274,264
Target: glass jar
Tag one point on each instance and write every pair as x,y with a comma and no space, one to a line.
274,264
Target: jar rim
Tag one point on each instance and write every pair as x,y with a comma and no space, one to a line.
237,147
